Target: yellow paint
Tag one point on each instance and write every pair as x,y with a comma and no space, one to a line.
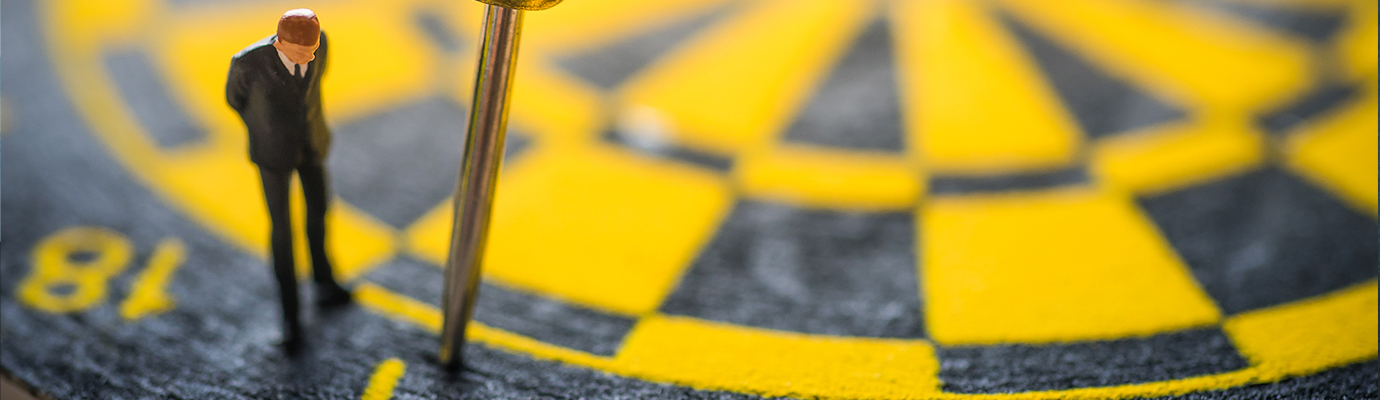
378,57
384,379
820,177
149,294
717,356
577,27
429,237
384,301
54,268
709,355
1356,45
1177,52
550,105
1170,156
467,18
95,21
402,308
618,238
973,101
356,242
1310,335
782,50
735,86
485,334
1054,266
1339,152
195,59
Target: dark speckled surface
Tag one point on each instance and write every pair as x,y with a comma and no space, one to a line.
815,271
402,162
1261,238
1266,237
542,318
609,65
997,369
1103,105
856,107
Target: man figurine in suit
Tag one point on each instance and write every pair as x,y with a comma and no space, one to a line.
275,86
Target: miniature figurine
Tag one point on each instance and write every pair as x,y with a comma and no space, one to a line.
275,86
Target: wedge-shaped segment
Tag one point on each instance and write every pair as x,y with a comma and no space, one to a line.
592,225
1339,152
973,100
718,356
737,86
1054,266
1310,335
1178,51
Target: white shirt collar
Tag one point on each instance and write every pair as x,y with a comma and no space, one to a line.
288,63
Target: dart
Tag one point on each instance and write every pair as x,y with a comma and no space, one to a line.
474,193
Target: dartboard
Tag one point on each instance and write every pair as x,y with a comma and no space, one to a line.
835,199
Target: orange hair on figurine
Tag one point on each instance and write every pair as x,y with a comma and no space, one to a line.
299,27
298,35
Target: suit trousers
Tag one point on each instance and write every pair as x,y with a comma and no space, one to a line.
276,184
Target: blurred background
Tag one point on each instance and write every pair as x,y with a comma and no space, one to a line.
1004,180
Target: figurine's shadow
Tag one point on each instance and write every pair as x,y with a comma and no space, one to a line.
318,357
343,345
340,347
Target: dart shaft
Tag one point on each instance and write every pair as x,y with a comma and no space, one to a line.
483,155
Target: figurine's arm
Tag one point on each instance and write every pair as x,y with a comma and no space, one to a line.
236,86
323,52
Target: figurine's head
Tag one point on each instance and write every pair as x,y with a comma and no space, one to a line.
298,35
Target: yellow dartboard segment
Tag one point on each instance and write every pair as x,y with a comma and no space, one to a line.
1047,262
1021,124
733,88
1339,151
1056,266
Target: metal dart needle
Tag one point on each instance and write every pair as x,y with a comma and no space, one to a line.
479,166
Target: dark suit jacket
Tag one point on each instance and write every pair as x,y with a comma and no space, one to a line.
282,113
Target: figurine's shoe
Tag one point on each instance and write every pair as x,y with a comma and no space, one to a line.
292,344
330,294
292,341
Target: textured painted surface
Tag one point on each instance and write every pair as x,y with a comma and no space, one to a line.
710,199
